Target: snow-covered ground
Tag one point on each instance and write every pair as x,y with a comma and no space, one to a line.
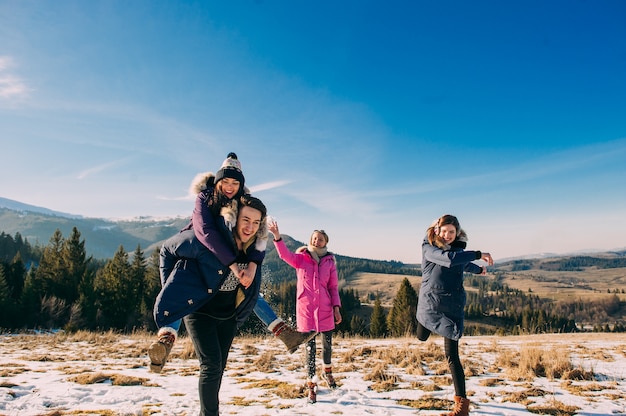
57,374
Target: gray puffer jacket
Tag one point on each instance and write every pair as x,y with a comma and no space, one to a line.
442,297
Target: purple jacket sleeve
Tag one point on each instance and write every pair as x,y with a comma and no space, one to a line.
207,232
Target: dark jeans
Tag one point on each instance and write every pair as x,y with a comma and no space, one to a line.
327,350
451,349
211,339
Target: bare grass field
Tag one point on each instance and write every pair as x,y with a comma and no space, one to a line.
106,374
385,285
589,284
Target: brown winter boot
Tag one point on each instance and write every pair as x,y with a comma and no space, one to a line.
327,376
160,350
312,391
290,337
461,407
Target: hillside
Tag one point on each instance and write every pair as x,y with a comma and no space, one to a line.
593,295
384,285
102,237
557,278
596,278
567,277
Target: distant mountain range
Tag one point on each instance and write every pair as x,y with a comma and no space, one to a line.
19,206
102,237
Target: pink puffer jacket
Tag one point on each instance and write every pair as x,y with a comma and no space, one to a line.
317,292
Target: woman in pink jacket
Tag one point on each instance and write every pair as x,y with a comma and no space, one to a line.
317,298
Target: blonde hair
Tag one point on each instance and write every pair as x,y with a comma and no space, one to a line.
322,232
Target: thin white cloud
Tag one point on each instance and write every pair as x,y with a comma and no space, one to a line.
144,131
11,86
5,62
268,185
564,161
176,198
547,165
253,189
336,201
100,168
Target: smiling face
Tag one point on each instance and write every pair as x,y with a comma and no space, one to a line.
229,187
318,240
448,233
248,223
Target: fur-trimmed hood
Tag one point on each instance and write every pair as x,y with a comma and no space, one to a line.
459,241
306,249
201,182
261,237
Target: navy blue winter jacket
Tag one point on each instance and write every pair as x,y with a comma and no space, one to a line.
193,276
442,297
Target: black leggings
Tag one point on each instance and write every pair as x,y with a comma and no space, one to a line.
327,350
451,350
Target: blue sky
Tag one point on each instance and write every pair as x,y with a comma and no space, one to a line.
367,119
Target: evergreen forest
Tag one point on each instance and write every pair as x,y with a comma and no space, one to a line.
58,286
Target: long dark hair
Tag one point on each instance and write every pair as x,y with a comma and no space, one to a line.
218,200
432,233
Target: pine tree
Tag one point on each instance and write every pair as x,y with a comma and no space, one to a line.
526,320
51,269
357,325
284,300
85,310
151,288
75,266
45,303
78,283
5,301
16,276
350,303
401,319
138,269
378,324
31,299
115,294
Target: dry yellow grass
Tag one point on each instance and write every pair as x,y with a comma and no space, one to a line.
386,285
116,379
589,284
554,407
510,371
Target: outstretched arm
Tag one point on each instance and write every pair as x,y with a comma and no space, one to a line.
272,227
287,256
475,268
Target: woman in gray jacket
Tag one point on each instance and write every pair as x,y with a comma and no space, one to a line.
442,296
